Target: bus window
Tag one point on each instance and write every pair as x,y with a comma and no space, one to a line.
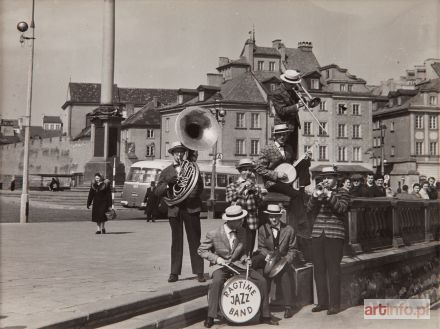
231,179
207,179
221,180
133,174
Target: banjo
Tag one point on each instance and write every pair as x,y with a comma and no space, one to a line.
289,169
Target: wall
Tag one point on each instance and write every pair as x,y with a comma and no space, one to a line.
46,156
78,118
139,137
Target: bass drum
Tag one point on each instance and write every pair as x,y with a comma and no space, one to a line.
240,299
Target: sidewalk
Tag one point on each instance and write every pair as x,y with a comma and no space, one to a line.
56,271
51,272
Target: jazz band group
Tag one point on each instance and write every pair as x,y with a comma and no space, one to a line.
251,248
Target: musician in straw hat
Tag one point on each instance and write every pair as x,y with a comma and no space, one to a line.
245,193
186,212
328,207
277,240
226,247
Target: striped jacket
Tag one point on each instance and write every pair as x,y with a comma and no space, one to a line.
249,202
329,214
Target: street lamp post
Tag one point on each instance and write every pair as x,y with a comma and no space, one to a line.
382,150
219,114
24,203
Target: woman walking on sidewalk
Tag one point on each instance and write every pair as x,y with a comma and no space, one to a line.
101,197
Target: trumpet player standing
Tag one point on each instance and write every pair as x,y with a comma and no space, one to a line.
245,193
186,212
328,207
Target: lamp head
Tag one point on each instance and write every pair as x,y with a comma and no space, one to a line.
22,27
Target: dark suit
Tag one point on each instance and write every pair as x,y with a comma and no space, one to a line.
372,191
217,245
285,103
187,212
285,244
152,202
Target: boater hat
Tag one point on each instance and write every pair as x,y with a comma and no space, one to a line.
245,163
234,213
281,129
176,146
273,209
291,76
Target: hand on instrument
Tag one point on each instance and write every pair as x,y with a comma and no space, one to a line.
318,193
221,261
268,257
248,261
281,176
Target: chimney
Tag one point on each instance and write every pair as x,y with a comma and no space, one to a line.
155,102
276,43
129,110
249,52
305,46
214,79
223,61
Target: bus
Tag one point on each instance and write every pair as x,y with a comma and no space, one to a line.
142,173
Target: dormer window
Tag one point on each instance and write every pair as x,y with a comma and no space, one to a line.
260,65
201,95
432,100
399,100
342,87
180,99
350,88
314,84
390,102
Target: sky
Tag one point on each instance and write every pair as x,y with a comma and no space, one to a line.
174,43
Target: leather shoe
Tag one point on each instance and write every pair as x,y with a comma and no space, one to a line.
173,278
269,321
333,310
98,232
103,231
319,308
209,322
201,277
288,312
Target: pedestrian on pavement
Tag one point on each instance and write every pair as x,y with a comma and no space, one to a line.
54,185
186,212
357,186
101,197
152,203
226,247
416,191
424,191
328,207
432,191
246,193
12,186
404,195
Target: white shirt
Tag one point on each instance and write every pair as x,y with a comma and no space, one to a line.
276,230
281,148
232,236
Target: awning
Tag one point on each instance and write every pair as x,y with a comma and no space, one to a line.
345,169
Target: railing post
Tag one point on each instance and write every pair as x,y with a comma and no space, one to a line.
428,233
397,236
353,218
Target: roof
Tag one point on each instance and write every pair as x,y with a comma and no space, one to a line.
242,61
342,169
85,133
436,67
82,92
52,119
300,60
268,51
242,88
147,116
9,139
430,86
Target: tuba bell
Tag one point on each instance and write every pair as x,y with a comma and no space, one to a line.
198,130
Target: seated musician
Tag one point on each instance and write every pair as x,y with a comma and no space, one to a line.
226,247
245,193
276,239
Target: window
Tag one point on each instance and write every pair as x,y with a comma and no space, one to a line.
149,151
322,106
150,133
399,100
307,128
327,73
314,84
240,147
419,148
342,87
180,99
167,125
357,154
322,152
201,95
392,126
260,65
221,180
393,151
342,109
350,88
432,122
341,130
419,121
255,147
376,124
167,147
433,148
342,153
356,108
240,120
271,66
308,148
255,120
432,100
356,131
323,132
